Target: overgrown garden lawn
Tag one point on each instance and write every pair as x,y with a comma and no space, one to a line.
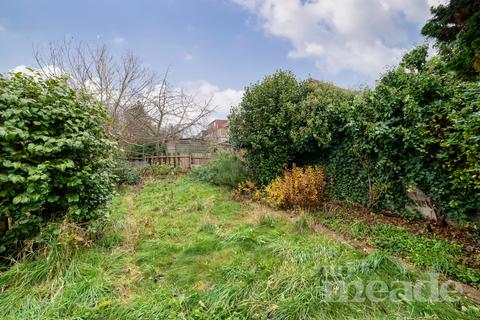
181,249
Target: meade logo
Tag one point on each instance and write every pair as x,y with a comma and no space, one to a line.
357,290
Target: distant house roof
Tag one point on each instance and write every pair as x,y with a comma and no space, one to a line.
219,123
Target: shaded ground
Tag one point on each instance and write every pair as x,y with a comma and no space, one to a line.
467,237
440,250
180,249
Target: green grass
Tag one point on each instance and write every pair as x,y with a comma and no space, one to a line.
181,249
433,254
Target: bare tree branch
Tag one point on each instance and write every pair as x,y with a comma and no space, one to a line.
143,111
118,83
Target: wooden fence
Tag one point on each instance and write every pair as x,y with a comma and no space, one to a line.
183,160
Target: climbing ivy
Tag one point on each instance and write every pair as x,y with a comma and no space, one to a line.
418,128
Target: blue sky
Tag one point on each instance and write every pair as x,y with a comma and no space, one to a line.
218,47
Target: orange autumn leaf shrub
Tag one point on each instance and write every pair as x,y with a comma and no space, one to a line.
299,188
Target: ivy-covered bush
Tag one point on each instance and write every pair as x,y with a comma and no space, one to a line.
55,157
419,128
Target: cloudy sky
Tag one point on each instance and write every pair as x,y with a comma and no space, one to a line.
217,47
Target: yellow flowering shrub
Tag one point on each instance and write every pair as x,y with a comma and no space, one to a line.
247,189
298,188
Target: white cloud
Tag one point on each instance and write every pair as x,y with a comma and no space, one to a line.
222,100
434,3
360,36
48,71
22,69
187,56
119,40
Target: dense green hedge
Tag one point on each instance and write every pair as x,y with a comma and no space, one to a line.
55,158
419,127
281,121
263,123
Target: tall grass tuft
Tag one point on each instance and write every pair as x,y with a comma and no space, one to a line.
226,169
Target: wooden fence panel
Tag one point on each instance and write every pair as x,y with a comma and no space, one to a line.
183,160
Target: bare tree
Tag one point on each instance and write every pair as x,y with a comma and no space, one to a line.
143,111
118,83
170,113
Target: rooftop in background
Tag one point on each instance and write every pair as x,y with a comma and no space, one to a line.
218,123
217,131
